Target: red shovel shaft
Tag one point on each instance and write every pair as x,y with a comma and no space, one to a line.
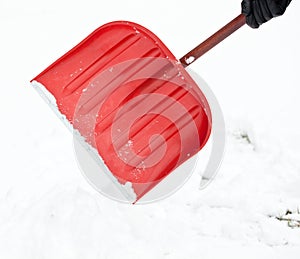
213,40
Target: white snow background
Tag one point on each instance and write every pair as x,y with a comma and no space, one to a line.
48,210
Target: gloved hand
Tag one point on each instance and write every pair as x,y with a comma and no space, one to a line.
260,11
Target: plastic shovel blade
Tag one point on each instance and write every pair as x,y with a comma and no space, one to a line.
131,102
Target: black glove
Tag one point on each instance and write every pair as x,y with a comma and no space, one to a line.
260,11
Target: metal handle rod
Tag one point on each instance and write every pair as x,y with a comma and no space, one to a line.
213,40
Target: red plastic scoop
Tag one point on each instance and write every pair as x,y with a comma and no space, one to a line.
129,98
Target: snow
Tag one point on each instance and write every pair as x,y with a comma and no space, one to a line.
48,210
51,101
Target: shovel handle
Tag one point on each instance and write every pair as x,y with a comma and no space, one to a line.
213,40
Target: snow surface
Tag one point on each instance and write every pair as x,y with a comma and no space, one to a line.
48,210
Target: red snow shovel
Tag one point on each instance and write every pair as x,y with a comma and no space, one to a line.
130,100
